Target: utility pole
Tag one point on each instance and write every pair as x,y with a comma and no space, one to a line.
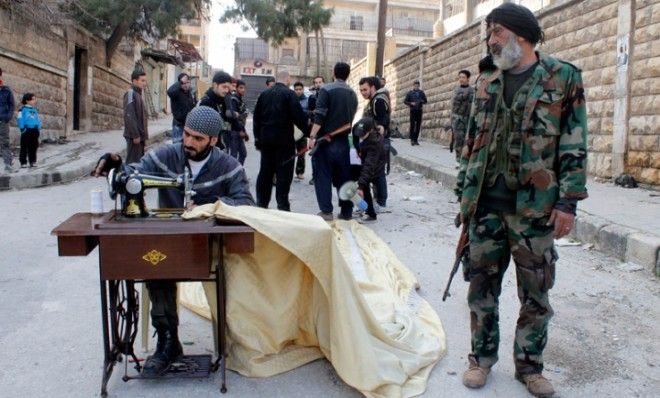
380,40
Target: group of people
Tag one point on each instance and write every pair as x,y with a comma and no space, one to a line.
288,124
521,136
28,122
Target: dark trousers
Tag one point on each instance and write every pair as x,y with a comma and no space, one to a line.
237,147
162,294
415,124
271,165
371,212
134,152
29,145
331,166
380,190
300,160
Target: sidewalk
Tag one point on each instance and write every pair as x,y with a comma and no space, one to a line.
75,159
624,223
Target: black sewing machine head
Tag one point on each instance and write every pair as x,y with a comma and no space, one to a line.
130,187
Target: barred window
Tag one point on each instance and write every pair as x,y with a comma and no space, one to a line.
357,22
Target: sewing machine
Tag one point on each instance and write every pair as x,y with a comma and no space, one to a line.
129,187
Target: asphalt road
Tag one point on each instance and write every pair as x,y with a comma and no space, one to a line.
603,340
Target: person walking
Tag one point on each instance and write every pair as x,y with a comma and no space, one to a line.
136,119
460,110
7,107
415,99
29,124
523,169
276,112
335,108
183,102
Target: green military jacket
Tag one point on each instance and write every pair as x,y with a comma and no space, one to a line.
553,153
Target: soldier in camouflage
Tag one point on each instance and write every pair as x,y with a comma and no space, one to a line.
460,111
522,173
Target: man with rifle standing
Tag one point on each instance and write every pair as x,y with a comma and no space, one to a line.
523,169
335,108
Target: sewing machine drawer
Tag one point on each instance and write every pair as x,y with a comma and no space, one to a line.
185,256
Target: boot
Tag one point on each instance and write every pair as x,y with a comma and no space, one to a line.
168,349
475,376
537,385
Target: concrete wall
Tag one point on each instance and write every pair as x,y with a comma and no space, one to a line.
40,60
590,39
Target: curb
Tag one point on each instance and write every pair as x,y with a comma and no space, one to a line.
621,242
37,180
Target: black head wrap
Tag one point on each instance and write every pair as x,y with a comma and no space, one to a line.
518,19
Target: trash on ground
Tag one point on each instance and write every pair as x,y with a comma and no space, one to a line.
629,267
566,242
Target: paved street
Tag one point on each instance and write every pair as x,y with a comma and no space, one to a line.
603,338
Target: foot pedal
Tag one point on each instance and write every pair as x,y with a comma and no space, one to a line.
186,366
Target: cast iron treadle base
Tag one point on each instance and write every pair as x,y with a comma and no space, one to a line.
186,366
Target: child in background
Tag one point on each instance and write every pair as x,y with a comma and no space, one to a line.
374,157
29,124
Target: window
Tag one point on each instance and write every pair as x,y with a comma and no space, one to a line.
357,22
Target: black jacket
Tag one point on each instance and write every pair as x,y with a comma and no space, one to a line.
224,107
373,156
275,113
182,103
336,105
415,99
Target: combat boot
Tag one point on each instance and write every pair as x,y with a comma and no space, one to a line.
537,385
168,349
475,376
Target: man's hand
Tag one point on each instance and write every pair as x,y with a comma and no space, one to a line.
381,130
245,136
562,221
361,193
310,143
106,163
136,140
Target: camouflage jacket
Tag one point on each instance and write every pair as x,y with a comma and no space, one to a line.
553,155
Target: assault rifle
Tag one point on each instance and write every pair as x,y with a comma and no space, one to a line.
322,140
462,254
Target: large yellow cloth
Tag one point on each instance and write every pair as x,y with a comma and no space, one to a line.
313,290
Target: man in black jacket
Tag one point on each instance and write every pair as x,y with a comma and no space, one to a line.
335,108
275,113
415,99
218,98
182,102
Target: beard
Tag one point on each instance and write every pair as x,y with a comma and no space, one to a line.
509,56
193,155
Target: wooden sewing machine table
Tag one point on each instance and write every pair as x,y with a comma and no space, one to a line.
140,249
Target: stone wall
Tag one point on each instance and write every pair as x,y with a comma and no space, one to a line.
40,60
643,159
588,40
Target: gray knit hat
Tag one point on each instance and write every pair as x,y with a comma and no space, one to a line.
205,120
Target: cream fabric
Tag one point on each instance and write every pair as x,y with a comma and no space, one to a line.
313,290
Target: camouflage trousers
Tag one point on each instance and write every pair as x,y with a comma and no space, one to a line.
494,238
5,148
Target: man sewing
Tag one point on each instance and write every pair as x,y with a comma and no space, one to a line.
215,176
